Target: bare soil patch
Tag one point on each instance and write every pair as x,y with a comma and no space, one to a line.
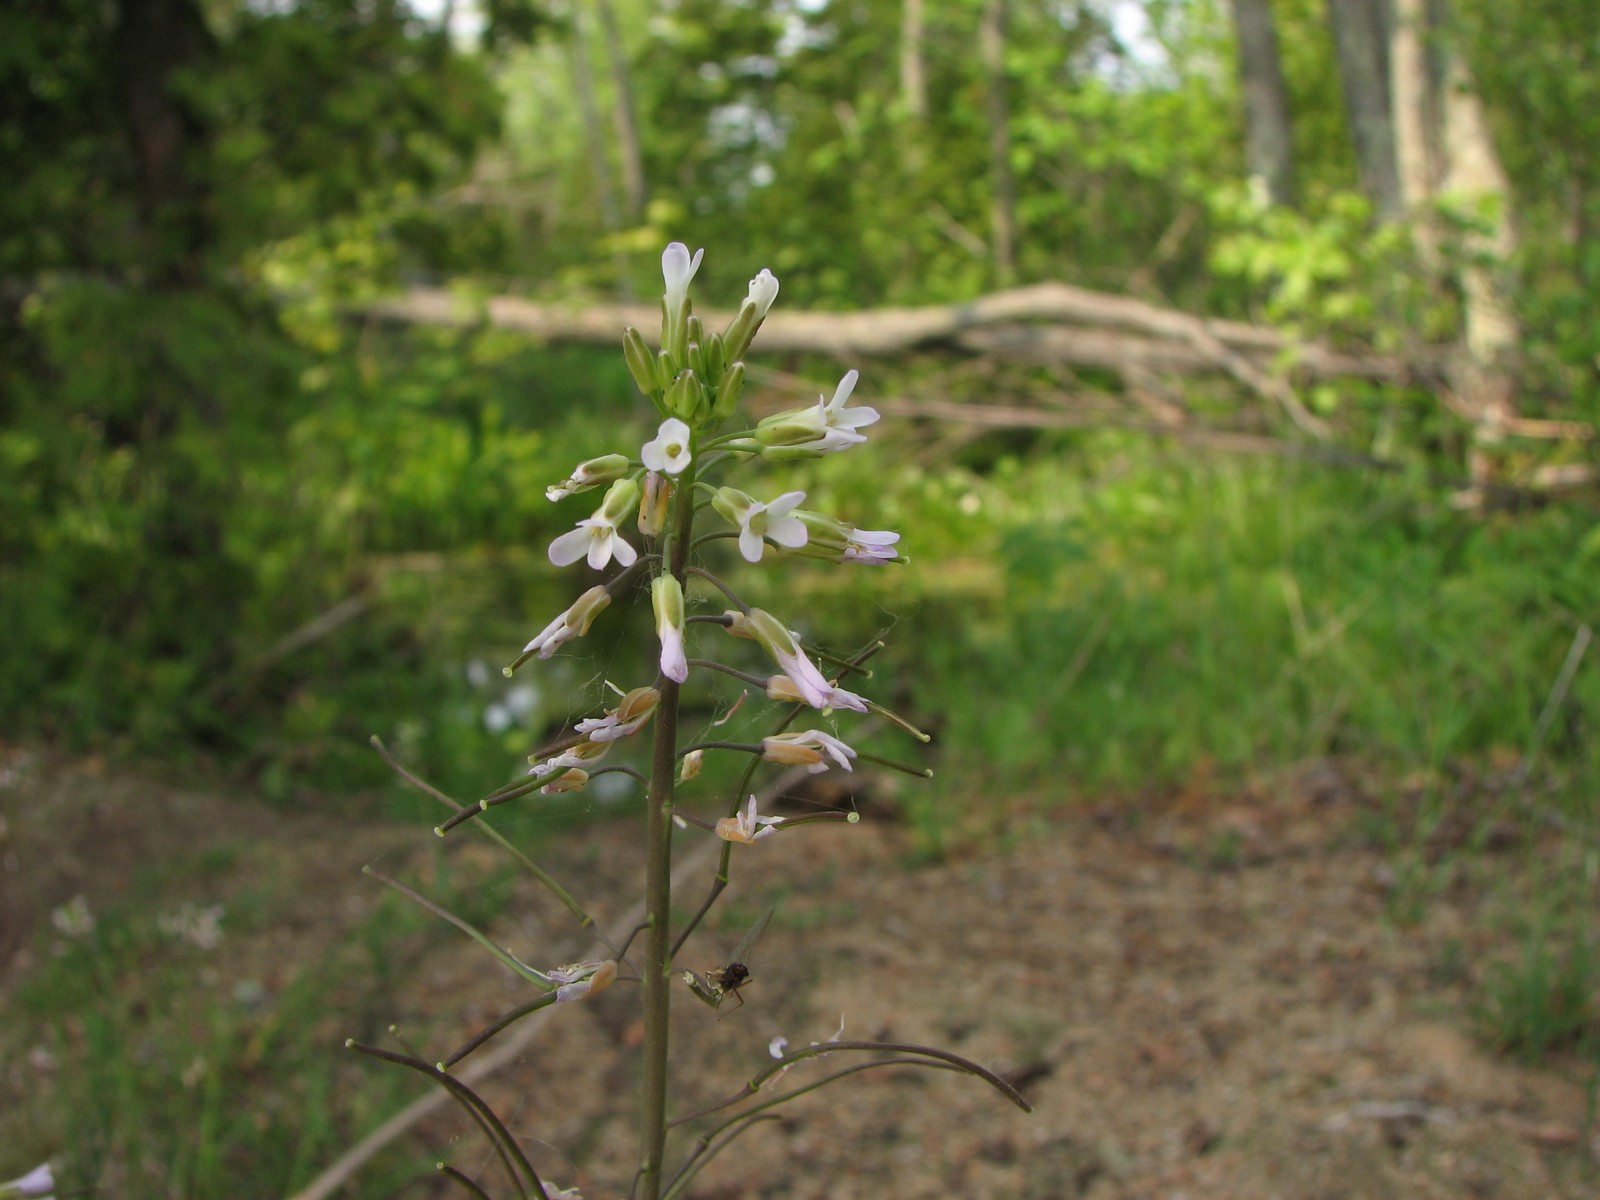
1200,998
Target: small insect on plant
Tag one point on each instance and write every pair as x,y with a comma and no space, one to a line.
717,984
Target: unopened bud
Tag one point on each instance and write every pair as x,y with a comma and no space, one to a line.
730,389
641,363
686,399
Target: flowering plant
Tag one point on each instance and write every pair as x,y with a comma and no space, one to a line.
695,381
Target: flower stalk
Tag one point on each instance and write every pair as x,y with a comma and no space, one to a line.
646,525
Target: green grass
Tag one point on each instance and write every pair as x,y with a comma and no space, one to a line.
182,1070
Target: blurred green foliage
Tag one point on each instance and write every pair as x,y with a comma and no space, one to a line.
234,519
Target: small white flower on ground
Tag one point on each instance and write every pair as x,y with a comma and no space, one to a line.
669,452
666,597
778,1046
37,1182
677,269
808,748
597,538
578,980
747,826
625,720
573,623
757,521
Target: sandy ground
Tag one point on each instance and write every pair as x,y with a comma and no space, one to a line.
1201,997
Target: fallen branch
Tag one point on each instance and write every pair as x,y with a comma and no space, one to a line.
1101,329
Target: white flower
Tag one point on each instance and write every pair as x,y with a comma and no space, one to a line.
580,755
763,291
784,688
747,826
573,623
569,780
597,538
578,980
677,268
670,451
37,1182
757,521
843,542
831,425
666,597
625,720
808,748
589,474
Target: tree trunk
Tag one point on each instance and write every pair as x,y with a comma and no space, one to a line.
992,44
913,72
156,40
583,84
1268,138
1416,120
1361,41
626,115
1445,146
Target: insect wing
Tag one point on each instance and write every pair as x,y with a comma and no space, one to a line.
741,952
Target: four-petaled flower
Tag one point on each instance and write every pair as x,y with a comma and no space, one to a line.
799,673
626,719
669,452
831,425
597,538
839,540
37,1182
677,269
573,623
784,688
756,521
580,755
808,748
763,291
589,474
666,596
577,980
748,825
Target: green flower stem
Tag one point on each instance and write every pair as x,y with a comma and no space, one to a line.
658,890
505,956
464,1180
585,921
511,1156
509,1019
903,768
722,587
704,1152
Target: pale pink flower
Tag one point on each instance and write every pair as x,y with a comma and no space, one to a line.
666,597
747,826
808,748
